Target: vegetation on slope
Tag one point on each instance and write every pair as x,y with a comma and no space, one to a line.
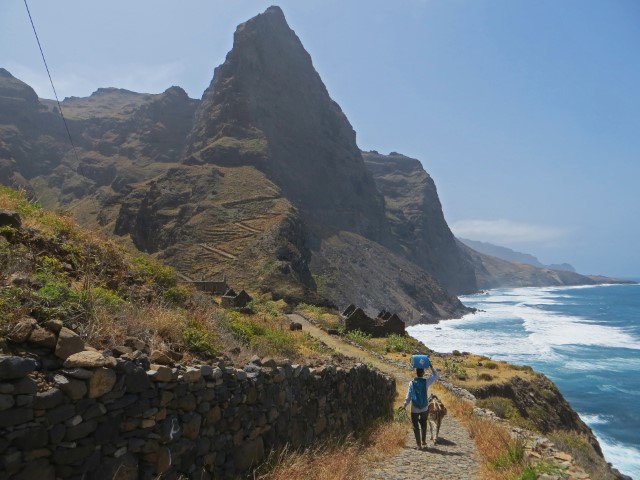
50,269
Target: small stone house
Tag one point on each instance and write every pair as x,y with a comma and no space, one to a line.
384,324
231,299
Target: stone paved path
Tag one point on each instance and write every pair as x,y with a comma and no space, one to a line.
453,458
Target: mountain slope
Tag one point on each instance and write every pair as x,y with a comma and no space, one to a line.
260,181
512,255
493,272
415,214
268,107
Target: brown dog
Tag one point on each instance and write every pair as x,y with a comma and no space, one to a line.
435,413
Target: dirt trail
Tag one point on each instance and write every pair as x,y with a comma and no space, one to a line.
455,456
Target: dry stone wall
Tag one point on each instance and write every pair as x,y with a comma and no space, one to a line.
92,415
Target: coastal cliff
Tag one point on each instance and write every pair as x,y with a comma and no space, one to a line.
261,181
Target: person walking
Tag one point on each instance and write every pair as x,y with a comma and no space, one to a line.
417,396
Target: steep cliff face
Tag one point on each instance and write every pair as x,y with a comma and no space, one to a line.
261,181
268,107
540,401
415,214
29,143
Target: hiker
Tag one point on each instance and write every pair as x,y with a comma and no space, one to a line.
417,395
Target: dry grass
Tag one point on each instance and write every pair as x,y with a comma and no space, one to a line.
337,461
501,455
326,462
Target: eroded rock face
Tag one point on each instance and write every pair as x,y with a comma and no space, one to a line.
417,222
541,402
268,107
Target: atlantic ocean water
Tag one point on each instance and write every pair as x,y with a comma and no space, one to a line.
586,339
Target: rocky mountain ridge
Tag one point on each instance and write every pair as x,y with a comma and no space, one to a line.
513,256
260,181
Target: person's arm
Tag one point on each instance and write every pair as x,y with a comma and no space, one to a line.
434,376
407,399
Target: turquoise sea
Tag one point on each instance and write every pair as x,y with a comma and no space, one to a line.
586,339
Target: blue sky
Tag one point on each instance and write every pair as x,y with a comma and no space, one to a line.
525,113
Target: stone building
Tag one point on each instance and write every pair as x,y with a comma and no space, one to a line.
386,323
214,287
231,299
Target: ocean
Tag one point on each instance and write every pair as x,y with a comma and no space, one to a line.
586,339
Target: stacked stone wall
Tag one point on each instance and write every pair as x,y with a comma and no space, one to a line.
96,416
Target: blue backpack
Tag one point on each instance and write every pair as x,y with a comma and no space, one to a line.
419,392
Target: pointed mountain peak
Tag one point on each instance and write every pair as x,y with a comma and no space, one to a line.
267,106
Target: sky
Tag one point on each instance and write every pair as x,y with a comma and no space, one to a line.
526,113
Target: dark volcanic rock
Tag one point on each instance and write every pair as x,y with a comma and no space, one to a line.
268,107
541,402
415,214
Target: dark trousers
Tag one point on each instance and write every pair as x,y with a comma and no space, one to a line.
419,420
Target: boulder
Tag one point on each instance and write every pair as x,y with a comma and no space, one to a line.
41,337
101,382
49,399
160,358
162,373
74,389
21,332
68,344
86,359
53,325
9,218
15,367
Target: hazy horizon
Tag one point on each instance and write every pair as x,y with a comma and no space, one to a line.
524,113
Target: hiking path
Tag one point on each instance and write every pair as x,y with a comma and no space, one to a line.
453,458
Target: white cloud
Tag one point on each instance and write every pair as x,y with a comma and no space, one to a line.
506,231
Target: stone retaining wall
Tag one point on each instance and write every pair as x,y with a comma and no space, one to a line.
92,415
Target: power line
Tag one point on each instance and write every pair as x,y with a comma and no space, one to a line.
52,86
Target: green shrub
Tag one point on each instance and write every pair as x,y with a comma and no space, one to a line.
153,272
400,343
502,407
485,376
490,365
24,207
8,232
275,342
265,307
104,297
199,340
358,336
57,299
11,300
265,338
177,295
48,267
454,369
520,368
533,471
512,456
312,310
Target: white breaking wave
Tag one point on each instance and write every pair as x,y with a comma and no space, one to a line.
538,331
511,326
623,457
594,419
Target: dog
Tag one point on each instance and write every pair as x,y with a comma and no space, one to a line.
435,413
